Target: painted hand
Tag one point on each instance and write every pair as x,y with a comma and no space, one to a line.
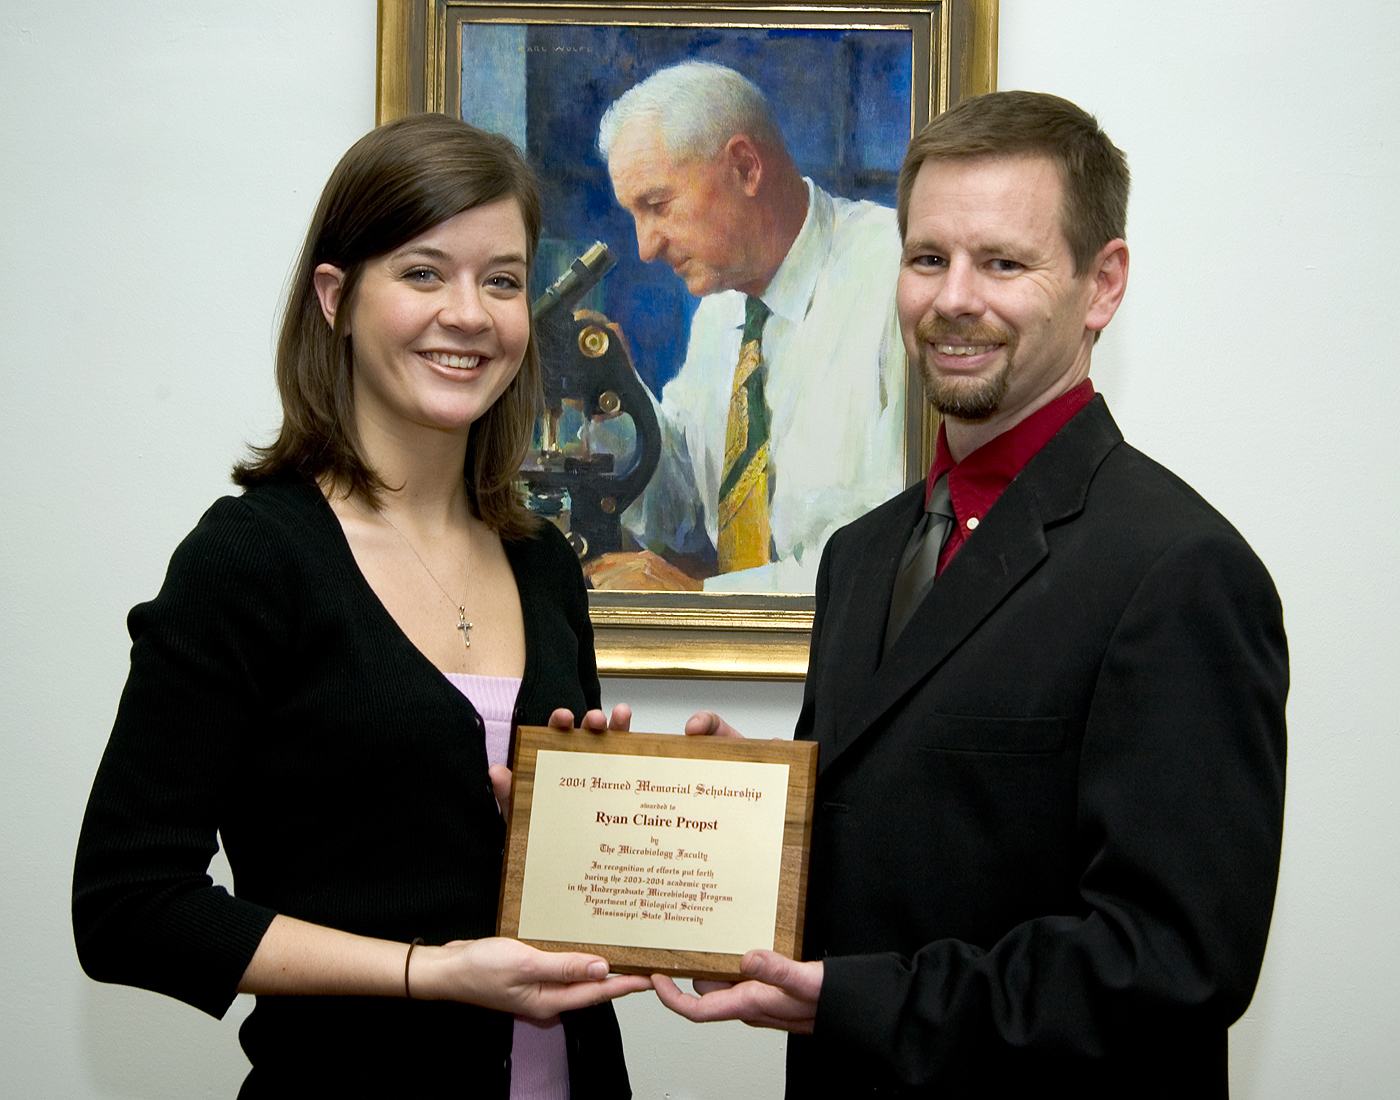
639,570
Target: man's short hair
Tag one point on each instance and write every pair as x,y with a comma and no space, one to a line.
1008,124
698,107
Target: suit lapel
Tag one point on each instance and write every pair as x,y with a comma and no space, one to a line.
857,617
1008,546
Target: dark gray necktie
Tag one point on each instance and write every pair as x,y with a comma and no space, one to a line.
919,565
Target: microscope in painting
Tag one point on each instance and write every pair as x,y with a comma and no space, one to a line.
598,441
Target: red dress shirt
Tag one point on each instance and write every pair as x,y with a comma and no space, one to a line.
978,480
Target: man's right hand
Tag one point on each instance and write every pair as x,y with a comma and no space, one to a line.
780,993
706,723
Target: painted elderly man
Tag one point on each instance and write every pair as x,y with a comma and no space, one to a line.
786,419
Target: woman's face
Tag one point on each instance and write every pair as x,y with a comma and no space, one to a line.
439,326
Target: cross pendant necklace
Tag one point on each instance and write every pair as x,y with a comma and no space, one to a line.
462,624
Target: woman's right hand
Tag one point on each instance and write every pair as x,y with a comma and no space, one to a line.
514,977
296,958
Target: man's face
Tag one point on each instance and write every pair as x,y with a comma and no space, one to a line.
989,304
695,215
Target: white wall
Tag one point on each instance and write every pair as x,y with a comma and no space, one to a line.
158,162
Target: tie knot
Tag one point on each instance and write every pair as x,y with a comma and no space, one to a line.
755,314
940,501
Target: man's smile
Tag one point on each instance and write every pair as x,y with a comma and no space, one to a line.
964,349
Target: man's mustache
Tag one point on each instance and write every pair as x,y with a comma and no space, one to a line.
938,329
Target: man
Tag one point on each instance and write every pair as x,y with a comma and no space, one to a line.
814,418
1050,806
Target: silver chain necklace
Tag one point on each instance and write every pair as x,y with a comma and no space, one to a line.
462,624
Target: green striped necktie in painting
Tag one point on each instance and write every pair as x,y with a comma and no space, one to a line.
744,537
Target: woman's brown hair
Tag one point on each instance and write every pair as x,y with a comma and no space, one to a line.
396,182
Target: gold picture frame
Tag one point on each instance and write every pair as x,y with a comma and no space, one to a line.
953,56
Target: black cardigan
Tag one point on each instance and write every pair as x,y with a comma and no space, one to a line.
273,703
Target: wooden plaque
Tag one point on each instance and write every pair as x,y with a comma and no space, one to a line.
663,854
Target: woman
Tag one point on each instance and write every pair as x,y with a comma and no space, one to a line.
336,658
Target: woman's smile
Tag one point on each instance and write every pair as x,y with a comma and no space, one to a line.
455,362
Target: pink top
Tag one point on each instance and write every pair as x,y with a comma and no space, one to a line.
539,1061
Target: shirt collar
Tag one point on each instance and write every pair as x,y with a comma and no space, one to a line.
977,481
789,293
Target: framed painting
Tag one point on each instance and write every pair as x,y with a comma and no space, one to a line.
713,294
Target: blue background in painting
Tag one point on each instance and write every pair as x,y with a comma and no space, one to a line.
841,98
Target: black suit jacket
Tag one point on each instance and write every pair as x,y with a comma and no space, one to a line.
1048,824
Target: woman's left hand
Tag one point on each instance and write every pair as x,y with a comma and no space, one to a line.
511,976
595,721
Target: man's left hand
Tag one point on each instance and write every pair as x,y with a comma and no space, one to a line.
780,994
